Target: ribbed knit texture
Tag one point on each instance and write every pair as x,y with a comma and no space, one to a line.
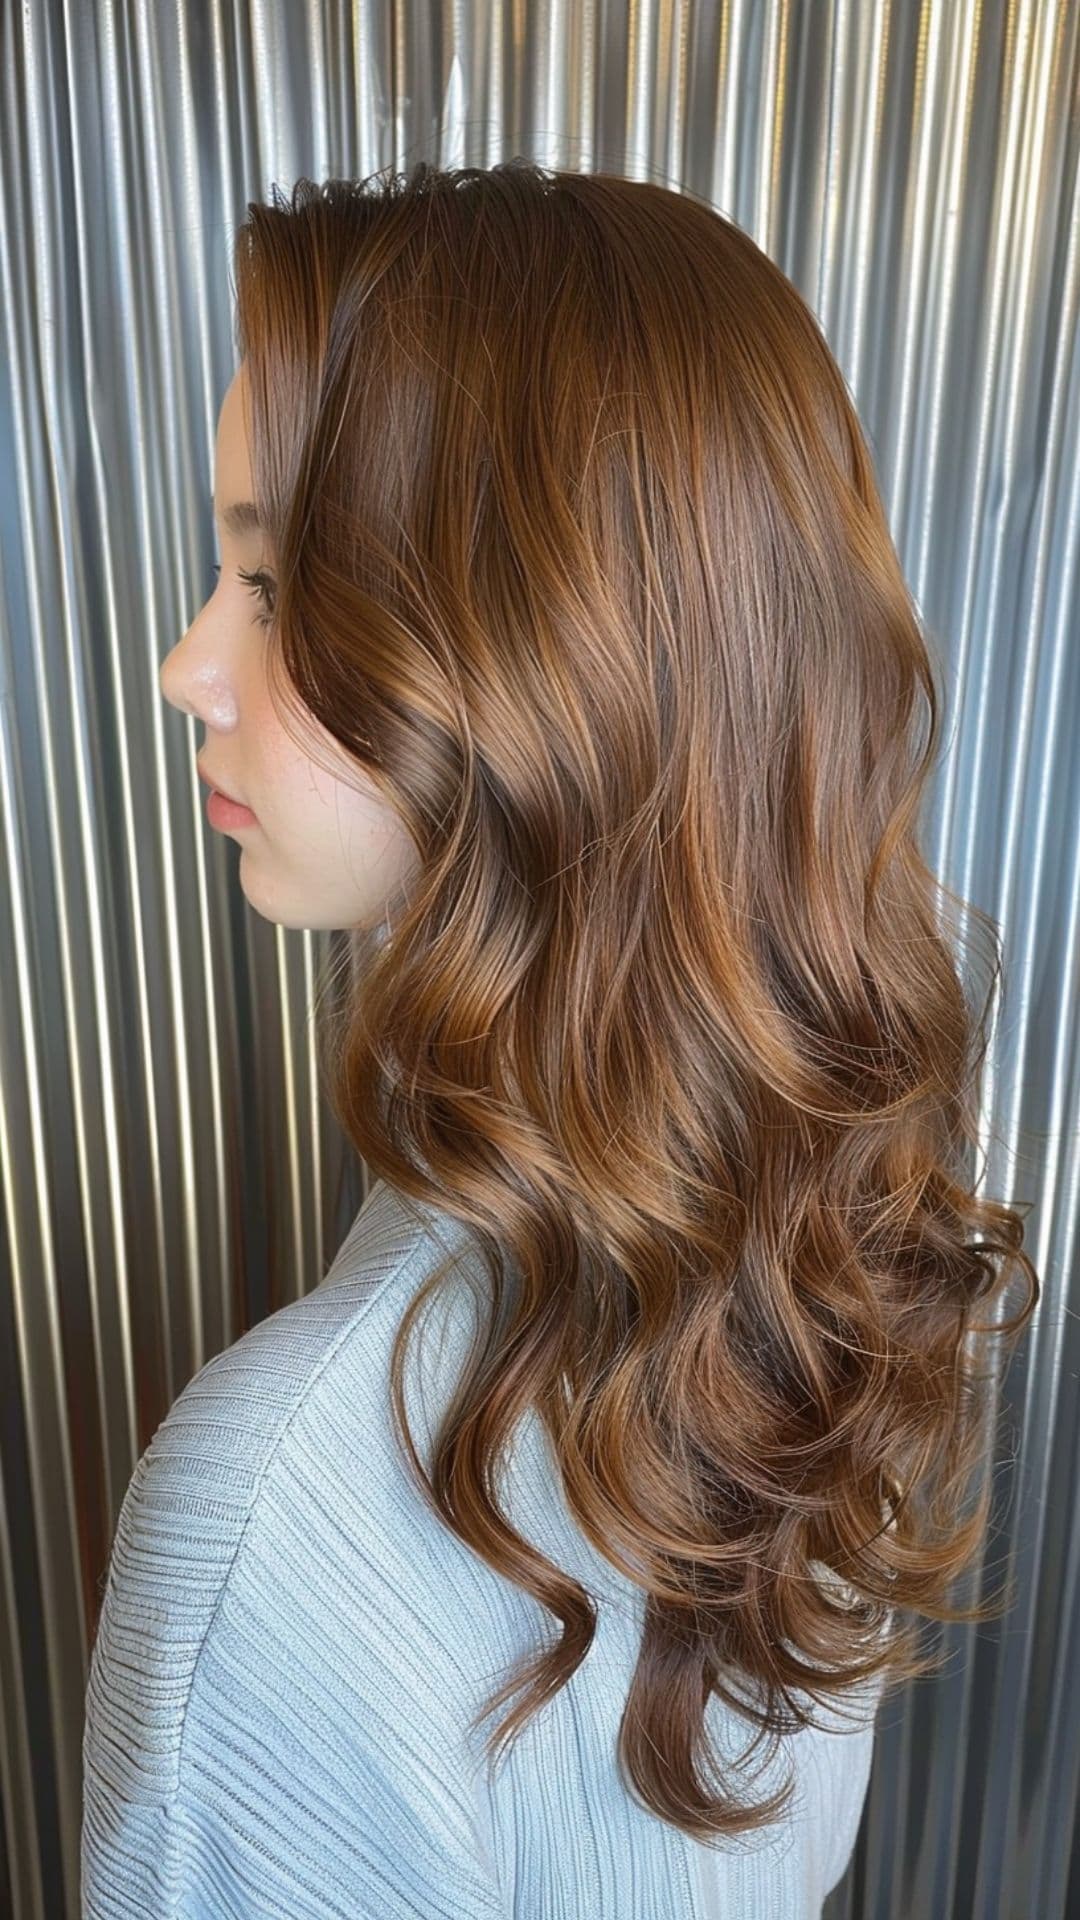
291,1647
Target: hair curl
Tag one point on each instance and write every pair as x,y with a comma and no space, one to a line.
582,560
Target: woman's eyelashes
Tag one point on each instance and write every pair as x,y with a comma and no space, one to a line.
262,586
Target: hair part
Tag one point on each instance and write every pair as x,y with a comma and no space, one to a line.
581,558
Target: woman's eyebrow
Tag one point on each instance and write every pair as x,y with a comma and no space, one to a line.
241,517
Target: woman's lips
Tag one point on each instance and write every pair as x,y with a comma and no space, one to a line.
228,814
222,809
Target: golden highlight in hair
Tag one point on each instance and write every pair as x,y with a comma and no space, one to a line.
581,557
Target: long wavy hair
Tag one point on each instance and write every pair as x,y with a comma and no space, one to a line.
581,558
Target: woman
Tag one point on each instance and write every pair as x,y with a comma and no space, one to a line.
560,652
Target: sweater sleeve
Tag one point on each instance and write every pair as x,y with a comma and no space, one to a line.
245,1758
276,1836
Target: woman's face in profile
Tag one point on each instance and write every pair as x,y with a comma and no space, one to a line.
322,851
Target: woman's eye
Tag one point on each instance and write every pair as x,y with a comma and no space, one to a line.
263,587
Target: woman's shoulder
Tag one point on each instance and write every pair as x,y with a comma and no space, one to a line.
274,1477
237,1411
261,1723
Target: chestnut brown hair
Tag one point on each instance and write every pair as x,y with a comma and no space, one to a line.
581,559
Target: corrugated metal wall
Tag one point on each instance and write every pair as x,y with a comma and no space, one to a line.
169,1172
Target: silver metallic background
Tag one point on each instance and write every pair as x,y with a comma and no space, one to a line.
169,1173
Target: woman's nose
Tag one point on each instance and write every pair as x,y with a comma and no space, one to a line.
195,682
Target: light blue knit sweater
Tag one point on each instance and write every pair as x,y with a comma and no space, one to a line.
291,1646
